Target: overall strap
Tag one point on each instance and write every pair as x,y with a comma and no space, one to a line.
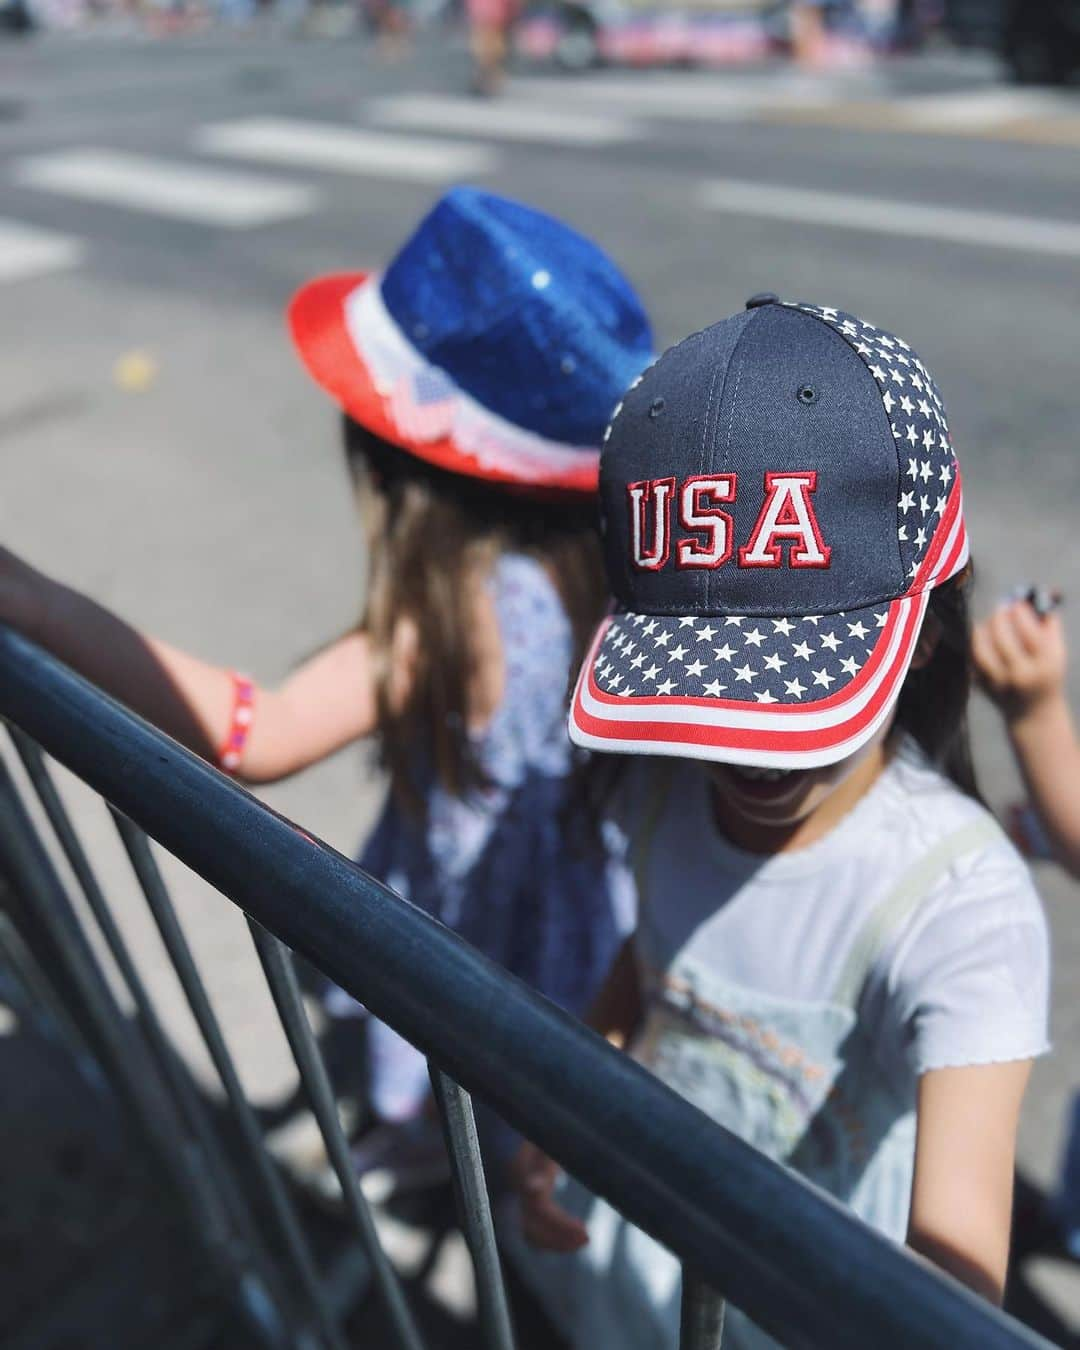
904,898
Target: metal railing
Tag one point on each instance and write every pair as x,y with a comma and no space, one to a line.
798,1263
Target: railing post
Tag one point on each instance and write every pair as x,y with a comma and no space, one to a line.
292,1236
701,1314
24,859
223,1201
474,1207
276,960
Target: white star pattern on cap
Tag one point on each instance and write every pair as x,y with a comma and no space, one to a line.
921,428
829,651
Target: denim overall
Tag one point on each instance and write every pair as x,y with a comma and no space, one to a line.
798,1080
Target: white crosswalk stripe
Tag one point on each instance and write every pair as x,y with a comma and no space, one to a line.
698,98
163,187
875,215
974,110
514,121
859,99
344,149
26,251
1036,116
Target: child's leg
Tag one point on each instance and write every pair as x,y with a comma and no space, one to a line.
489,21
807,32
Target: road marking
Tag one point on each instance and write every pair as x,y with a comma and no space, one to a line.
26,251
208,197
691,98
503,120
979,109
1041,116
342,149
878,215
855,100
30,86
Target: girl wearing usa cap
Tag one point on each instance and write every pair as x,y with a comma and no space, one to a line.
839,955
476,375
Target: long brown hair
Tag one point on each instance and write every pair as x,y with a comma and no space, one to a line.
430,535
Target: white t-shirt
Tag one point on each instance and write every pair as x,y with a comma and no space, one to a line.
962,980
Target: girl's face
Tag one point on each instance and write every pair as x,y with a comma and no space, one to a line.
767,810
772,810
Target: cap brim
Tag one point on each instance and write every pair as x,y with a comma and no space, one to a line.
788,692
791,693
320,333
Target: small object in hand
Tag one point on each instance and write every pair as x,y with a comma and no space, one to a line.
1027,833
1041,599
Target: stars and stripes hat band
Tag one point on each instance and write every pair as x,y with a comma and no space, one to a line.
780,497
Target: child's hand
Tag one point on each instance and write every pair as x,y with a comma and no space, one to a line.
1021,658
545,1224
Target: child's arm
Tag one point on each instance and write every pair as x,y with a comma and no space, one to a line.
325,704
615,1015
961,1195
1021,660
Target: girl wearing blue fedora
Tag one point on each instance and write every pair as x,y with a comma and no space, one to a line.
476,375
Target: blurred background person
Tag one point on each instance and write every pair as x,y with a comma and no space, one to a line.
490,24
808,32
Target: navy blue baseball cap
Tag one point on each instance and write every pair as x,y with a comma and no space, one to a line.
780,496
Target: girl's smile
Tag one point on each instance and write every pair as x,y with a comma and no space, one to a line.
760,785
775,810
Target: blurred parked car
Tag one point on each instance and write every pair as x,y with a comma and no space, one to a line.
1038,40
975,23
15,17
1041,40
577,34
581,33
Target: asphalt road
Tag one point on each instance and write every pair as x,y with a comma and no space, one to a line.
161,448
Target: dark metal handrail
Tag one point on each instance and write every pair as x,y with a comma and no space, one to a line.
792,1258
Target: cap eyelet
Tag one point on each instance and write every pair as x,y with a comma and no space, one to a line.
807,394
656,407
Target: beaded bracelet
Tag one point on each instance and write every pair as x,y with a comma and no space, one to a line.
243,714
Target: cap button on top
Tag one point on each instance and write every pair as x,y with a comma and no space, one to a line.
762,298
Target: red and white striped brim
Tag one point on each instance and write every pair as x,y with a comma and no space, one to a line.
796,701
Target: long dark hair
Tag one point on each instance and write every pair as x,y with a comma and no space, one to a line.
933,704
429,534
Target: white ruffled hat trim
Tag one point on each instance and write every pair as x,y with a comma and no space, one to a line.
427,405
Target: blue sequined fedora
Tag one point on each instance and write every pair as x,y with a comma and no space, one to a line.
495,344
